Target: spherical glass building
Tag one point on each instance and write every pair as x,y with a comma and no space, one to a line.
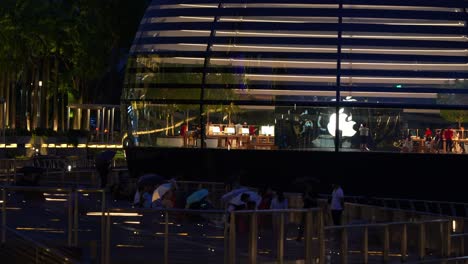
271,74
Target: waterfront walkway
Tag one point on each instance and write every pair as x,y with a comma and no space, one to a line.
66,224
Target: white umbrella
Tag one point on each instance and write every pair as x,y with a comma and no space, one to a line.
160,191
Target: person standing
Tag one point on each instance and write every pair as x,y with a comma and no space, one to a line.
310,200
363,134
448,139
337,204
428,134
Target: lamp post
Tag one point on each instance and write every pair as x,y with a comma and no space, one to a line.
38,112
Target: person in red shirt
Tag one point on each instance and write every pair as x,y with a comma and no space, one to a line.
252,130
183,130
428,134
448,134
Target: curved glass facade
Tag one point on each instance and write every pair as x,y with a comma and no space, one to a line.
270,74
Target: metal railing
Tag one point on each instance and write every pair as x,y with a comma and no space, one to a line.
439,243
26,250
71,210
458,209
430,232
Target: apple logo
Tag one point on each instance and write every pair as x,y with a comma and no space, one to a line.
345,122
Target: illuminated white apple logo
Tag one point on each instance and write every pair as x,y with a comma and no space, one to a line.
346,124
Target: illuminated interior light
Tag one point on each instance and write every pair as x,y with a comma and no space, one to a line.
129,246
328,49
55,199
55,194
458,24
191,5
37,229
236,33
113,214
344,93
360,78
264,34
132,222
163,129
327,63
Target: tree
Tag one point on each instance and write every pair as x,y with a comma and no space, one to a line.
457,116
71,46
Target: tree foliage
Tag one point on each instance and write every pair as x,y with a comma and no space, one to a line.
72,47
456,116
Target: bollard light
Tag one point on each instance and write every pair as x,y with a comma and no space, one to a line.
69,168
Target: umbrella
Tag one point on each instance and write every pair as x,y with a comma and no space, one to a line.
160,191
197,196
232,194
150,179
106,155
253,196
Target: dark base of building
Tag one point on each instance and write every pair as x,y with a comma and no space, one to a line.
397,175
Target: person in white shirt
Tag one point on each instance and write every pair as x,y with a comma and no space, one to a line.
363,135
337,204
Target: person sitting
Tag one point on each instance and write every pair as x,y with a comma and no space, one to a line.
145,200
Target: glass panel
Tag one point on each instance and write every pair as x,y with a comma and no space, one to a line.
408,130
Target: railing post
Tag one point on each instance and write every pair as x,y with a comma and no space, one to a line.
308,238
103,227
365,246
321,238
226,239
386,247
4,215
422,238
280,237
166,237
108,226
442,239
232,239
404,242
76,219
253,239
70,217
344,245
462,238
447,238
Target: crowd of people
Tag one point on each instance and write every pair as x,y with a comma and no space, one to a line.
441,141
164,195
